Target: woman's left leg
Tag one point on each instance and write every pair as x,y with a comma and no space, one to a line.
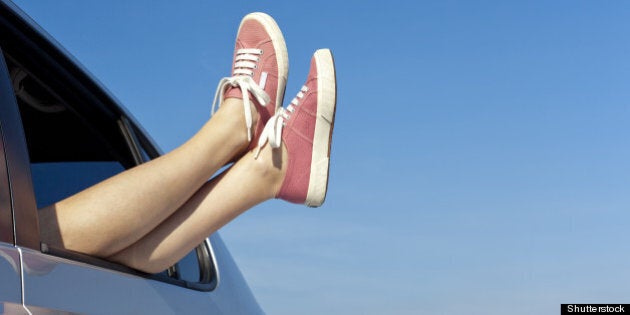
247,183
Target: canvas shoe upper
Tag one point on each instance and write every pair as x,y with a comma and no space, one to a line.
305,127
260,68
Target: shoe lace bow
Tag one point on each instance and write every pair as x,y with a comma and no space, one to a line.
246,61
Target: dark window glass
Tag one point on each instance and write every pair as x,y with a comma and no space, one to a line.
188,267
68,151
56,181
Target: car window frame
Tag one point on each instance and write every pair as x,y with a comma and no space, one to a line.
144,149
22,203
7,232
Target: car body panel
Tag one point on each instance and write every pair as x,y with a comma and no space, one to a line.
232,294
55,283
10,283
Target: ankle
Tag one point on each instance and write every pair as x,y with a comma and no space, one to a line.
271,164
237,107
232,111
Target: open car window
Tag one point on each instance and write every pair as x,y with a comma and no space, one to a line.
74,144
67,152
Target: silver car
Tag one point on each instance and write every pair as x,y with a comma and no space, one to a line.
60,132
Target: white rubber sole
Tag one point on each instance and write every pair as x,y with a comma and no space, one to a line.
280,46
326,105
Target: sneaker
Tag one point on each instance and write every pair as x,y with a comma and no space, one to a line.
260,68
305,128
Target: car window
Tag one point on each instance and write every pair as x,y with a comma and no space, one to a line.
54,181
188,268
71,147
67,152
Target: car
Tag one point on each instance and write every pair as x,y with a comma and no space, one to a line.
60,132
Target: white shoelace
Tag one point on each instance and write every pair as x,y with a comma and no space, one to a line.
246,61
273,129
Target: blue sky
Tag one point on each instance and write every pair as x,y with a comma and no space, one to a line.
481,157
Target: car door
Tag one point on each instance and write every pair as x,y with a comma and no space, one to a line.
60,140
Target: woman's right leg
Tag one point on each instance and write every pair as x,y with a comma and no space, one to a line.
115,213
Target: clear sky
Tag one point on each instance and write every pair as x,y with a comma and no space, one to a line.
481,156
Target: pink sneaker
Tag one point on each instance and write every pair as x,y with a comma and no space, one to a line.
305,128
260,67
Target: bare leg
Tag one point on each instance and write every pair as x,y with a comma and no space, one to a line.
129,205
308,122
249,182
